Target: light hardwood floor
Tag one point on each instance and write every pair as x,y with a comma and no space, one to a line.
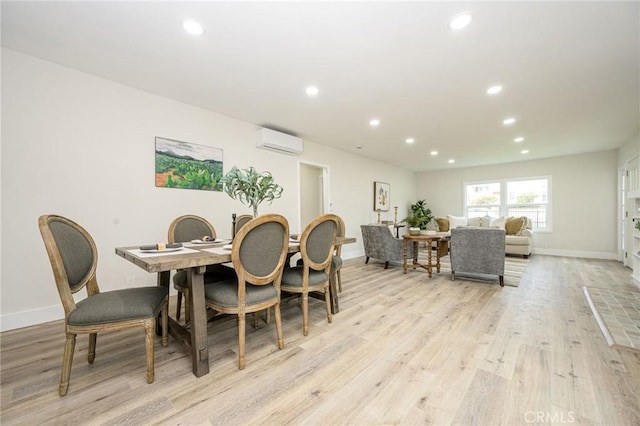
404,349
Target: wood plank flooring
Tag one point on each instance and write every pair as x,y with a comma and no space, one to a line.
404,349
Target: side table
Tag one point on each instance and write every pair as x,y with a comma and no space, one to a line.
438,237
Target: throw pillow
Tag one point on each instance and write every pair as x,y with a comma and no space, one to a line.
497,223
514,225
485,221
443,224
457,221
475,222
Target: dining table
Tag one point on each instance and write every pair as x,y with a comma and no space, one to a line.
194,258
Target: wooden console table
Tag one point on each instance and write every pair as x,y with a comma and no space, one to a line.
438,237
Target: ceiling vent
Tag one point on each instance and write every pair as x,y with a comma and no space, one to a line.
279,142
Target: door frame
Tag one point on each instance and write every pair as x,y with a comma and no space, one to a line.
326,193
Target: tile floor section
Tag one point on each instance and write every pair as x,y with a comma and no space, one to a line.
620,313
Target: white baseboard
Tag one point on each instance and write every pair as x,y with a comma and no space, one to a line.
31,317
577,253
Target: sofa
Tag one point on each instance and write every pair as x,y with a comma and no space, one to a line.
380,243
519,236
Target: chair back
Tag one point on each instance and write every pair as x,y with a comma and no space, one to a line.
478,250
239,222
260,249
340,233
317,242
189,227
73,256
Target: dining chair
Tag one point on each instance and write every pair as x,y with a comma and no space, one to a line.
184,229
317,243
336,261
239,222
258,254
74,259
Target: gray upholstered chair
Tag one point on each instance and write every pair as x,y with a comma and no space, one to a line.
258,254
317,245
184,229
74,258
478,251
238,222
379,243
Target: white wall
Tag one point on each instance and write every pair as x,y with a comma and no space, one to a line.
83,147
584,191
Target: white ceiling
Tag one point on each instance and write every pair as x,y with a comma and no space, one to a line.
570,70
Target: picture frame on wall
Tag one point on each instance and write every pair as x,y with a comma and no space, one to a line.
381,196
187,166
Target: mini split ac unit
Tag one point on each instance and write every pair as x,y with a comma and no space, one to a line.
279,142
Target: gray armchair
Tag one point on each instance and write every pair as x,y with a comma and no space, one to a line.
380,243
478,251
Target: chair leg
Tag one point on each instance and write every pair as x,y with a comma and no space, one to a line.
187,310
276,314
67,360
327,298
367,260
179,305
149,327
386,265
305,313
501,280
255,320
241,331
453,276
91,355
165,324
339,280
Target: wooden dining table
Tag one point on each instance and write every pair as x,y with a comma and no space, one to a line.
194,258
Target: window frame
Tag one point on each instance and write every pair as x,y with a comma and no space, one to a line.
503,207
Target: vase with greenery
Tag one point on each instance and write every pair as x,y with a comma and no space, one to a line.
419,215
250,187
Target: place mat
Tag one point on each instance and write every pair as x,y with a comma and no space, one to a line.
217,250
141,253
618,316
514,267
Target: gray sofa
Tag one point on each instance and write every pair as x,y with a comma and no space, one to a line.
380,243
478,251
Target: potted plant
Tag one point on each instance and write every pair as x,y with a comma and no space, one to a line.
250,187
419,217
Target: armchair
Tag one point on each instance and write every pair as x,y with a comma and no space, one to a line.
380,243
478,251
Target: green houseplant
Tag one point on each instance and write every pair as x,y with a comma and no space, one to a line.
250,187
419,216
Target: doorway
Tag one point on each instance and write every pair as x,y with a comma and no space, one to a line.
314,192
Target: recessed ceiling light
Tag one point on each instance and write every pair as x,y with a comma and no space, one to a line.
519,139
524,151
460,21
374,122
451,161
359,147
434,153
410,140
508,121
312,90
192,27
494,90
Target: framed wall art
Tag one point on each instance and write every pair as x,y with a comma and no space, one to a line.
187,165
381,196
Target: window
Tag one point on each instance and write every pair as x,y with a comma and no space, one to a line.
515,197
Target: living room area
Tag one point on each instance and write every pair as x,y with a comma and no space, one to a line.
83,101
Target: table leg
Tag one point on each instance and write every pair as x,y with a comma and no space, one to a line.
416,248
199,344
163,281
429,266
404,256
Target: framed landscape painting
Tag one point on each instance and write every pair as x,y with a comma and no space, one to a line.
381,196
187,165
